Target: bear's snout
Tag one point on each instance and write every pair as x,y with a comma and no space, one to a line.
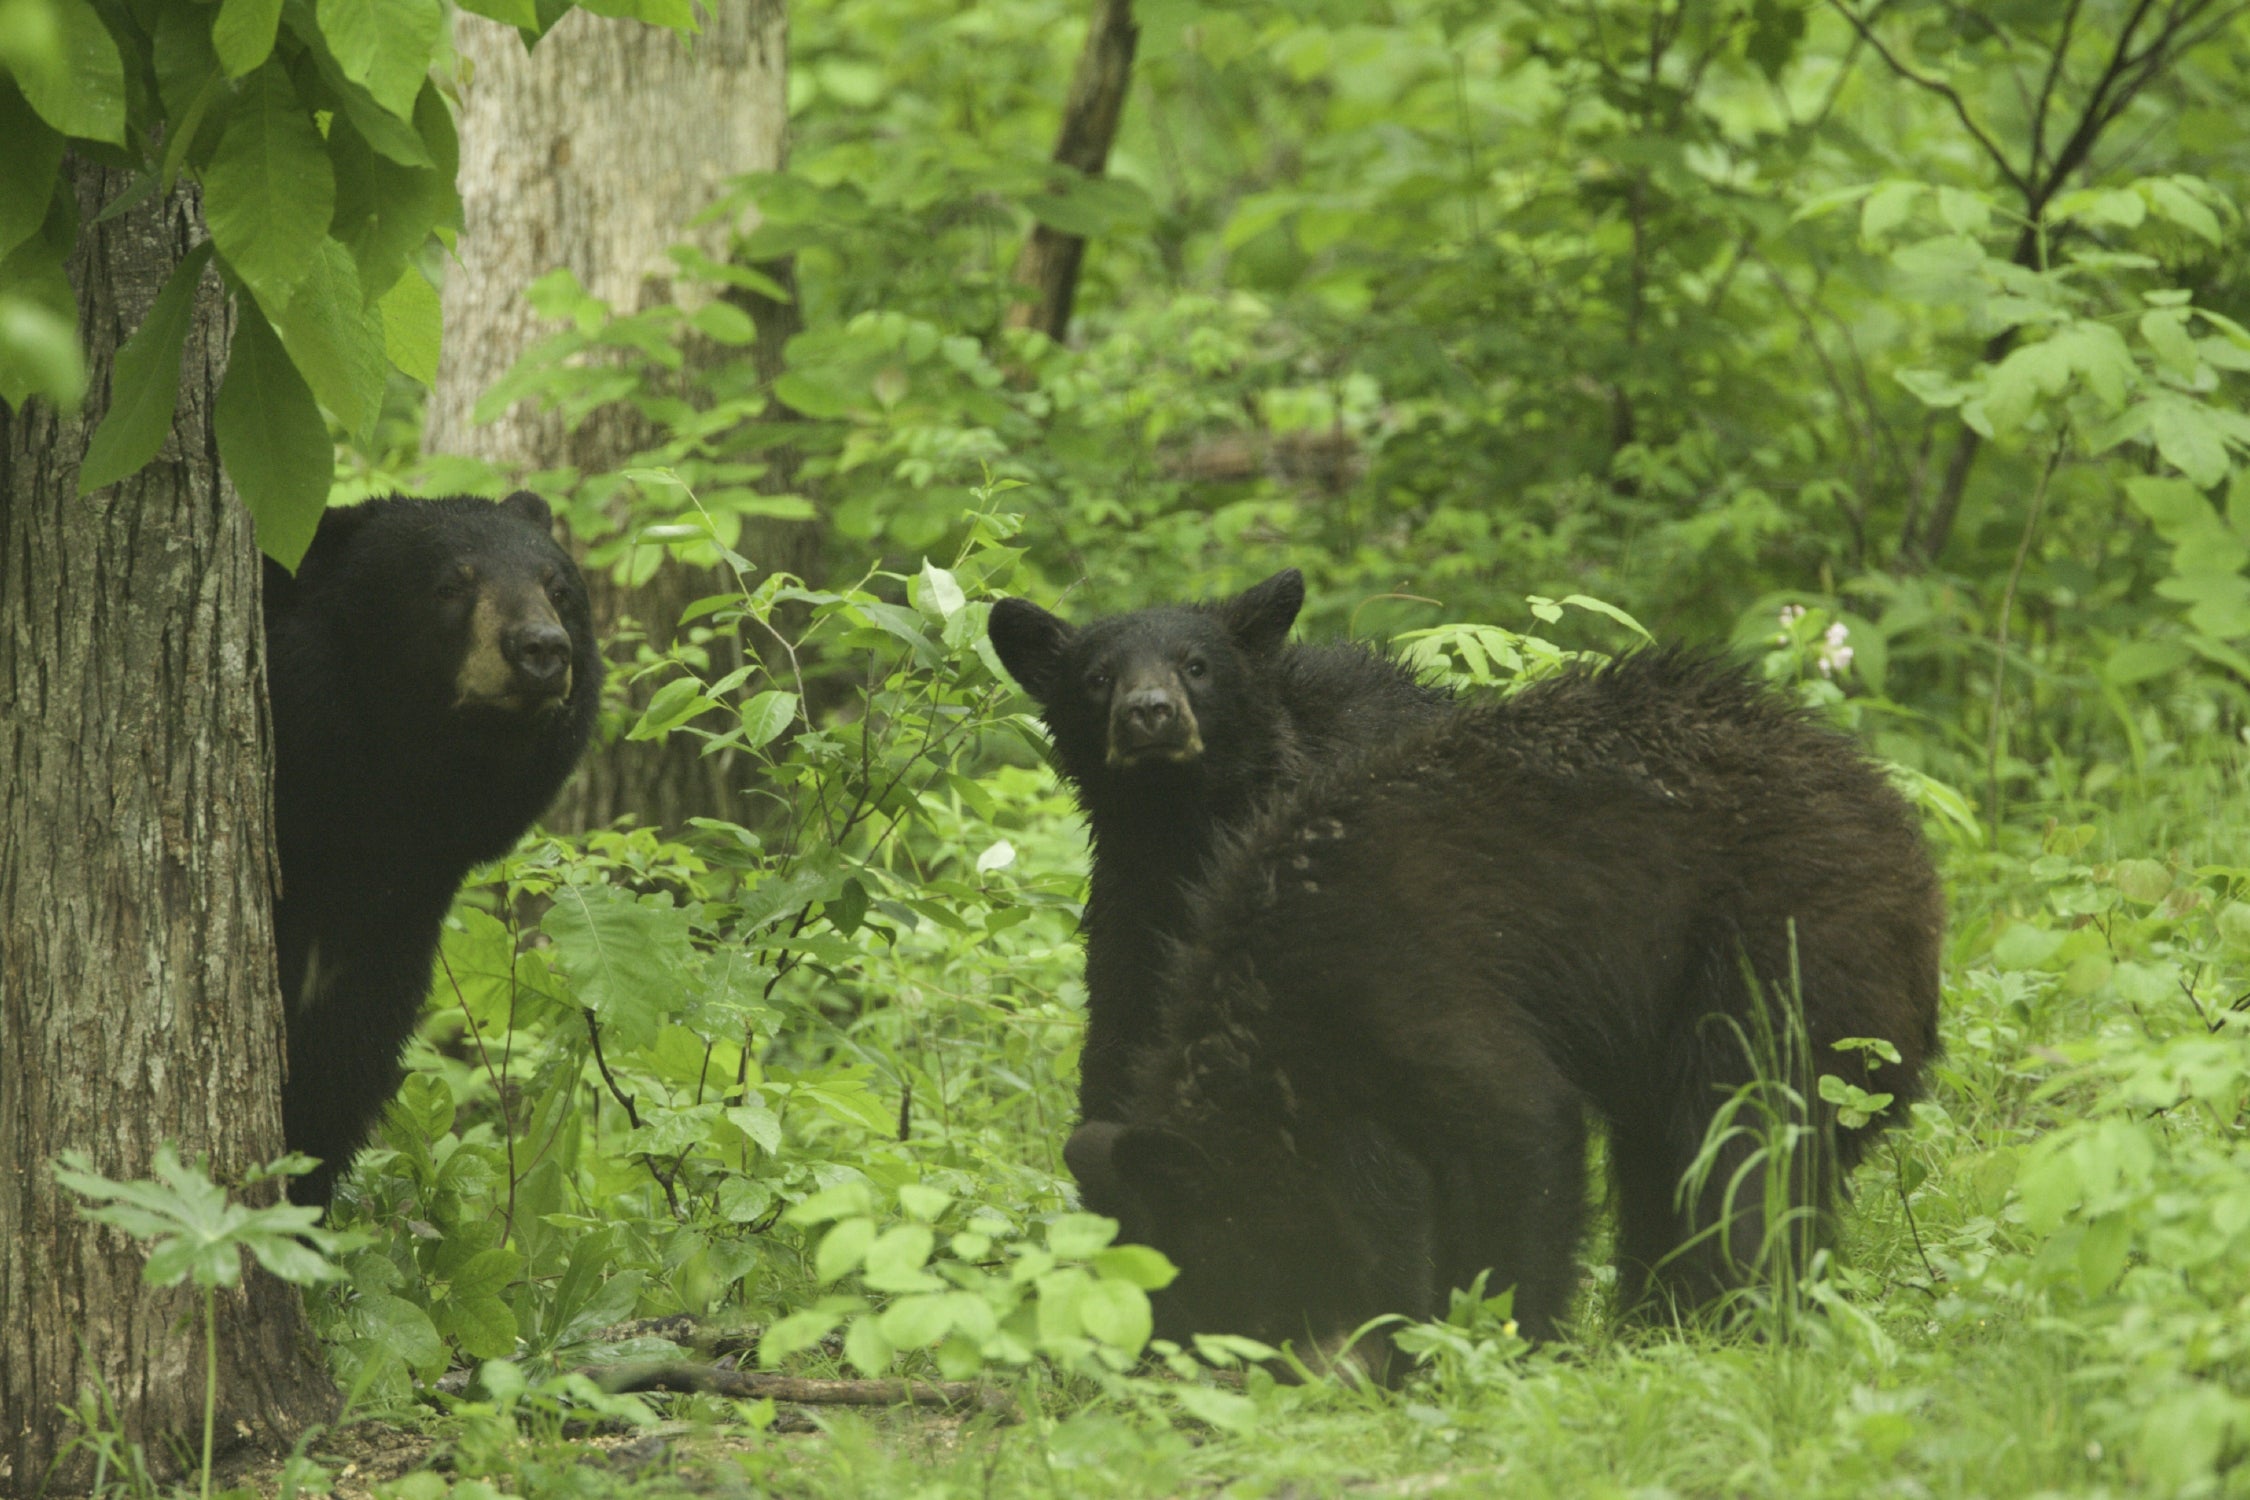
1151,720
540,652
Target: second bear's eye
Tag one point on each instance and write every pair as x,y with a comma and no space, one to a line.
1196,667
1097,681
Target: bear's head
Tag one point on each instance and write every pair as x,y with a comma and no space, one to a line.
1173,693
455,612
1290,1236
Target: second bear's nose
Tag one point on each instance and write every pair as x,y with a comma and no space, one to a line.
540,653
1150,711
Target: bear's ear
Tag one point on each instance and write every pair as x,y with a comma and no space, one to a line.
1031,643
1088,1154
1259,618
529,506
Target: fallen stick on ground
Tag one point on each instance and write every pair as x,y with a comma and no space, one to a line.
752,1384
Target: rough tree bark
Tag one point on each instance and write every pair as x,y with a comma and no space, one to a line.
137,995
1048,266
593,151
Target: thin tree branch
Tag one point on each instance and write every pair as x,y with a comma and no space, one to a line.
1995,733
1049,264
2047,87
1942,89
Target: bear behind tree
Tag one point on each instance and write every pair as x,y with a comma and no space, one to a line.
1409,980
1172,723
434,676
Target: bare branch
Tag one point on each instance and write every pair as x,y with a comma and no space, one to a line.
2047,87
1943,90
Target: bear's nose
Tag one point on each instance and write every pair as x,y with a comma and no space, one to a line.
1150,711
539,650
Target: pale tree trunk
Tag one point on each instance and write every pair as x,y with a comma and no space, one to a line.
593,151
137,995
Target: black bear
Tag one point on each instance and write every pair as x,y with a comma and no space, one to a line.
434,675
1171,723
1408,982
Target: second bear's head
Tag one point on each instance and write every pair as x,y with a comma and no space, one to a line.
462,607
1169,694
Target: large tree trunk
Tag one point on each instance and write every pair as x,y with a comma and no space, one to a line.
137,995
593,151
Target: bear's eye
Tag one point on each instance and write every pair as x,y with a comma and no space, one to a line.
457,584
1097,681
1196,666
557,590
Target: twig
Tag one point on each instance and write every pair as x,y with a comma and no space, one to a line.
1942,89
752,1385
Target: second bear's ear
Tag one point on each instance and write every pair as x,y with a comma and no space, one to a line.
1031,643
529,506
1259,618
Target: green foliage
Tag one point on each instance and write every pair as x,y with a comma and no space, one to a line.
325,153
196,1234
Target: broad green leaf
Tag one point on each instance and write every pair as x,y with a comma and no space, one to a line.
413,326
2143,880
87,96
1886,208
272,439
144,386
795,1334
402,1330
866,1347
385,46
670,706
335,339
2177,203
1221,1409
1117,1313
2166,330
521,14
34,161
1076,1236
1963,213
2101,1254
843,1248
2234,926
39,354
626,958
243,33
766,716
2138,661
1138,1264
2189,437
916,1322
759,1123
269,191
896,1259
2024,946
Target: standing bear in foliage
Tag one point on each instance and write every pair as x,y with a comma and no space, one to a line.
434,676
1172,723
1408,982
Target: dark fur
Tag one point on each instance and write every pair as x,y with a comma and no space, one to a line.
1260,714
386,792
1407,982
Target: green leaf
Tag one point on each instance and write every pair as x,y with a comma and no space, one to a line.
145,384
2166,330
843,1248
2101,1254
269,192
795,1334
86,97
1963,213
896,1259
243,33
2024,946
1076,1236
402,1330
2234,926
413,327
2189,437
1886,208
34,164
1222,1409
919,1321
271,439
627,958
1117,1313
866,1347
336,340
1138,1264
2144,880
521,14
2138,661
2174,201
670,706
385,46
765,716
39,354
